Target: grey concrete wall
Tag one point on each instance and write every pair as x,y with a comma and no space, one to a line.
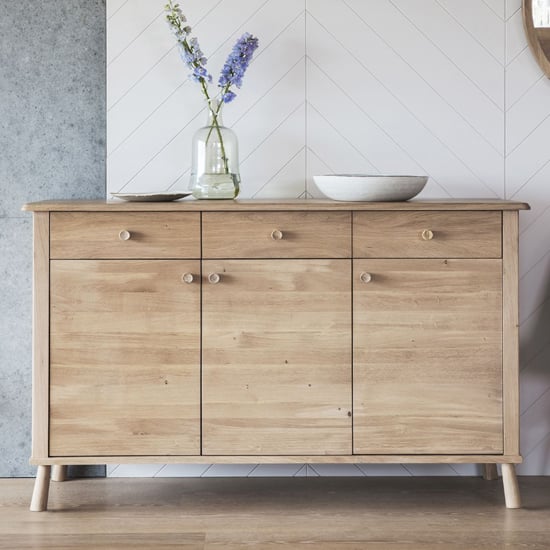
52,145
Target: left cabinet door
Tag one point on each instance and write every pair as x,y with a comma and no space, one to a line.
124,357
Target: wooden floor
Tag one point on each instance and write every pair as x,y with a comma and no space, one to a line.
306,513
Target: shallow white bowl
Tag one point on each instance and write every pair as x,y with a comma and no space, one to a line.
362,187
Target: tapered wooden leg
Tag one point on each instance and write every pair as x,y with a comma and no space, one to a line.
59,473
490,472
511,489
39,501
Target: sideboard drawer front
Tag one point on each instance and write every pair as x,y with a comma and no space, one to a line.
427,234
277,235
124,235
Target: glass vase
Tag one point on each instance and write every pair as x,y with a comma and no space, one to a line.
215,162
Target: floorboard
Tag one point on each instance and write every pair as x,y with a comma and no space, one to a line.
277,513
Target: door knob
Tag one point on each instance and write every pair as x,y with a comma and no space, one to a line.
187,278
365,277
213,278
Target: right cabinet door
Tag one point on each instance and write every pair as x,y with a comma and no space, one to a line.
427,376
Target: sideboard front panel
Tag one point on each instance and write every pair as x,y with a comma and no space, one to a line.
276,235
427,234
124,358
277,357
428,357
128,235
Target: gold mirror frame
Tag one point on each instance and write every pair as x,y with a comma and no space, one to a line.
537,37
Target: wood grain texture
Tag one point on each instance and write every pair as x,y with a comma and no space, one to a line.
427,357
301,235
288,459
537,38
511,486
271,205
543,35
39,500
277,357
435,513
125,367
95,235
399,235
510,333
59,473
40,335
490,472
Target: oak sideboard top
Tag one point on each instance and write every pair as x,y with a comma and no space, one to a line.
270,205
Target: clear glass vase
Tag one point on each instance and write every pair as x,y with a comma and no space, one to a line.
215,162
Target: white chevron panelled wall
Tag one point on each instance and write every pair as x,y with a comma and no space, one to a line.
446,88
528,179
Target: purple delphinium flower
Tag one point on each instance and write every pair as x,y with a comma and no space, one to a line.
191,53
231,75
237,62
189,47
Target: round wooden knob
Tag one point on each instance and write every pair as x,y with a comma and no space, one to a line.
213,278
365,277
276,235
427,235
124,235
187,278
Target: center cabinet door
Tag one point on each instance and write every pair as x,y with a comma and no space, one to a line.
277,357
125,357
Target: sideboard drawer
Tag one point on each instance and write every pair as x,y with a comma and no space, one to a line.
124,235
277,235
427,234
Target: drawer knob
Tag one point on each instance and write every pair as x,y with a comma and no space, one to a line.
213,278
427,235
276,235
365,277
187,278
124,235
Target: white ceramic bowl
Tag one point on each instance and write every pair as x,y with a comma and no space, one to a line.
362,187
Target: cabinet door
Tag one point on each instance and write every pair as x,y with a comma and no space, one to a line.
124,358
427,357
277,357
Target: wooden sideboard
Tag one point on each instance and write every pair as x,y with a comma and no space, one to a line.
273,332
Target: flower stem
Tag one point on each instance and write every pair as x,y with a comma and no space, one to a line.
215,124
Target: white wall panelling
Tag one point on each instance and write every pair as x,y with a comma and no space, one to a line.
446,88
153,109
527,178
